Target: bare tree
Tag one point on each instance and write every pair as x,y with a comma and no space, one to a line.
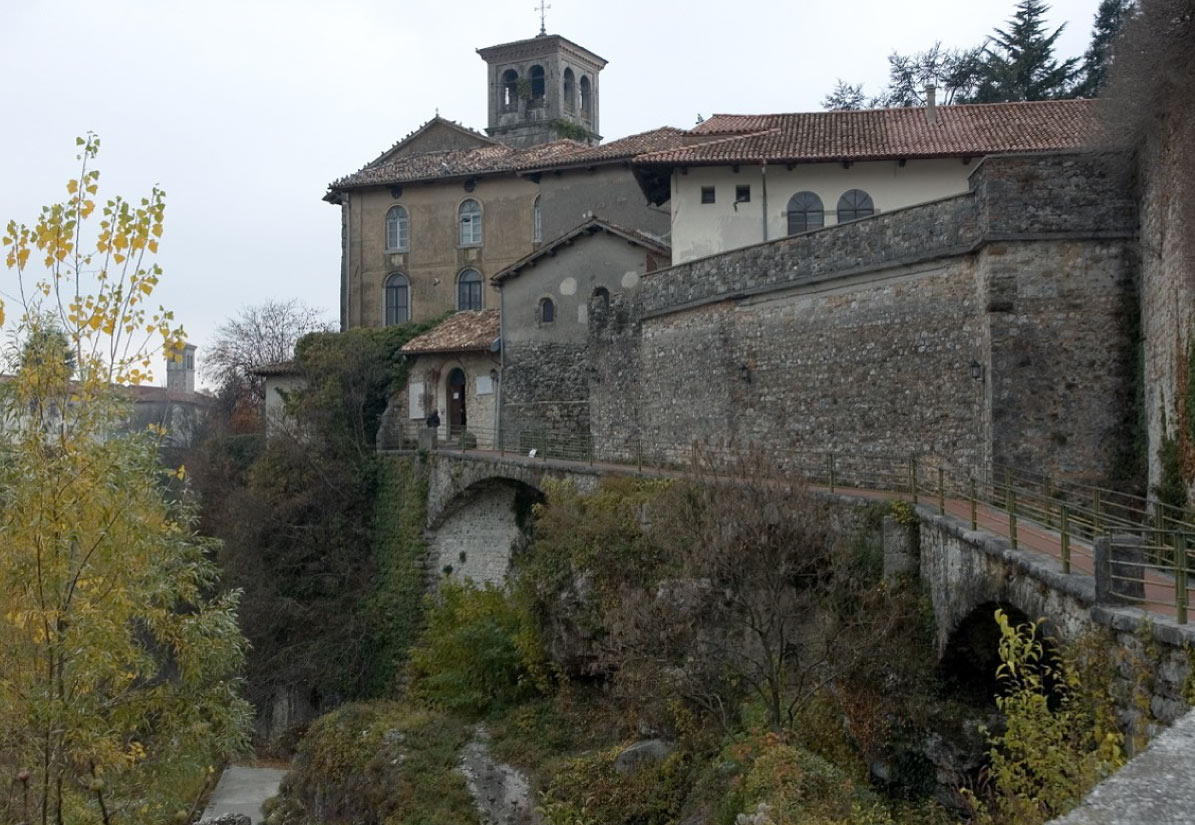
765,598
259,336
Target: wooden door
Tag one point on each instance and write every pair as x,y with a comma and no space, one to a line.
457,417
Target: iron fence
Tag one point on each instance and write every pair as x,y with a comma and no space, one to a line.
1150,544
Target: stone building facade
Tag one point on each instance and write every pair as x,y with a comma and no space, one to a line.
973,329
452,370
547,300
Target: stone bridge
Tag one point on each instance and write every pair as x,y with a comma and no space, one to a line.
478,502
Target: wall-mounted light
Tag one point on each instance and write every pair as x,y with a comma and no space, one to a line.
745,372
494,375
976,370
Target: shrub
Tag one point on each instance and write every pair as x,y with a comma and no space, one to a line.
1056,744
587,789
377,762
477,653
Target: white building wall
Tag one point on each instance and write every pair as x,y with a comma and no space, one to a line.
276,387
701,229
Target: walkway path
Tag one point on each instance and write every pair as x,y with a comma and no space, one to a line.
242,790
1031,536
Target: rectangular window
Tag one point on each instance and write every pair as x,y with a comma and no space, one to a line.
742,194
707,194
470,229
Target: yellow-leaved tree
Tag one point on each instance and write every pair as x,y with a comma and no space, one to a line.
119,659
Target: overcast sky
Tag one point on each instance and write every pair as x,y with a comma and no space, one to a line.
244,110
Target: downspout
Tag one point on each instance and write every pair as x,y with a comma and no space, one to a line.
501,364
345,239
763,178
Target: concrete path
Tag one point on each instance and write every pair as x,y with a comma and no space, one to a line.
241,790
1155,788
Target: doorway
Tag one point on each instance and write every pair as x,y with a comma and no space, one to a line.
457,417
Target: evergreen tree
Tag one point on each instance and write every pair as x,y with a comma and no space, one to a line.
845,97
954,72
1018,63
1098,58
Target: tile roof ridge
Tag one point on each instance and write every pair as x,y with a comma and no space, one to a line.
717,139
940,106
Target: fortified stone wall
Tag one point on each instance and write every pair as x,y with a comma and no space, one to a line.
1167,197
863,339
1059,331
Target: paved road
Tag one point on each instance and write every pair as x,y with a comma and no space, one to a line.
241,790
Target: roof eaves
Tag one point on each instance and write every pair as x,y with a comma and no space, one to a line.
589,226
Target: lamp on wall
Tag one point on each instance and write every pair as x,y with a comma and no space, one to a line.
494,376
976,370
745,372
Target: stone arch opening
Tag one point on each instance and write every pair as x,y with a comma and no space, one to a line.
510,90
482,528
972,655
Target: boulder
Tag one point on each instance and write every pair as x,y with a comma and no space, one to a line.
227,819
640,753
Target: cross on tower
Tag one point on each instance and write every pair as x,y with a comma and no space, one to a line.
543,9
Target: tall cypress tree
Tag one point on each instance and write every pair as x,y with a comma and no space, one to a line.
1098,58
1018,63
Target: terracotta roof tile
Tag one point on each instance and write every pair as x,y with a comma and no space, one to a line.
462,332
497,159
974,130
667,137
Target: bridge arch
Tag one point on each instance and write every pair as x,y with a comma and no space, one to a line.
478,510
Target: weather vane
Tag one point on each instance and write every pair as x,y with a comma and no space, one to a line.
543,11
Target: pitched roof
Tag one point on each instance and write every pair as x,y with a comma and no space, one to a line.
590,226
654,140
279,368
874,134
465,331
427,132
454,163
497,158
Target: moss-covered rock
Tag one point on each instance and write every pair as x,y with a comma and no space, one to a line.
375,763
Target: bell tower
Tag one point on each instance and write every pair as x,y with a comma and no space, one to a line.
542,89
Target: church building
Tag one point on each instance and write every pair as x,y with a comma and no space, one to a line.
427,224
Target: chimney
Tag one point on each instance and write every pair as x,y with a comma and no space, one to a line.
180,375
931,103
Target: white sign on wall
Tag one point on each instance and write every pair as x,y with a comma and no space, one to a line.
415,400
485,385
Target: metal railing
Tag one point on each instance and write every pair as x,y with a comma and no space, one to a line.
1150,546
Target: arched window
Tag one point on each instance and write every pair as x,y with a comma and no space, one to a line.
468,290
601,298
398,299
537,82
805,212
547,311
585,101
398,230
470,213
855,204
510,89
538,217
570,91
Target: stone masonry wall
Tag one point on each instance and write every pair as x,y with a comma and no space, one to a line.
1060,322
1167,195
546,388
860,339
